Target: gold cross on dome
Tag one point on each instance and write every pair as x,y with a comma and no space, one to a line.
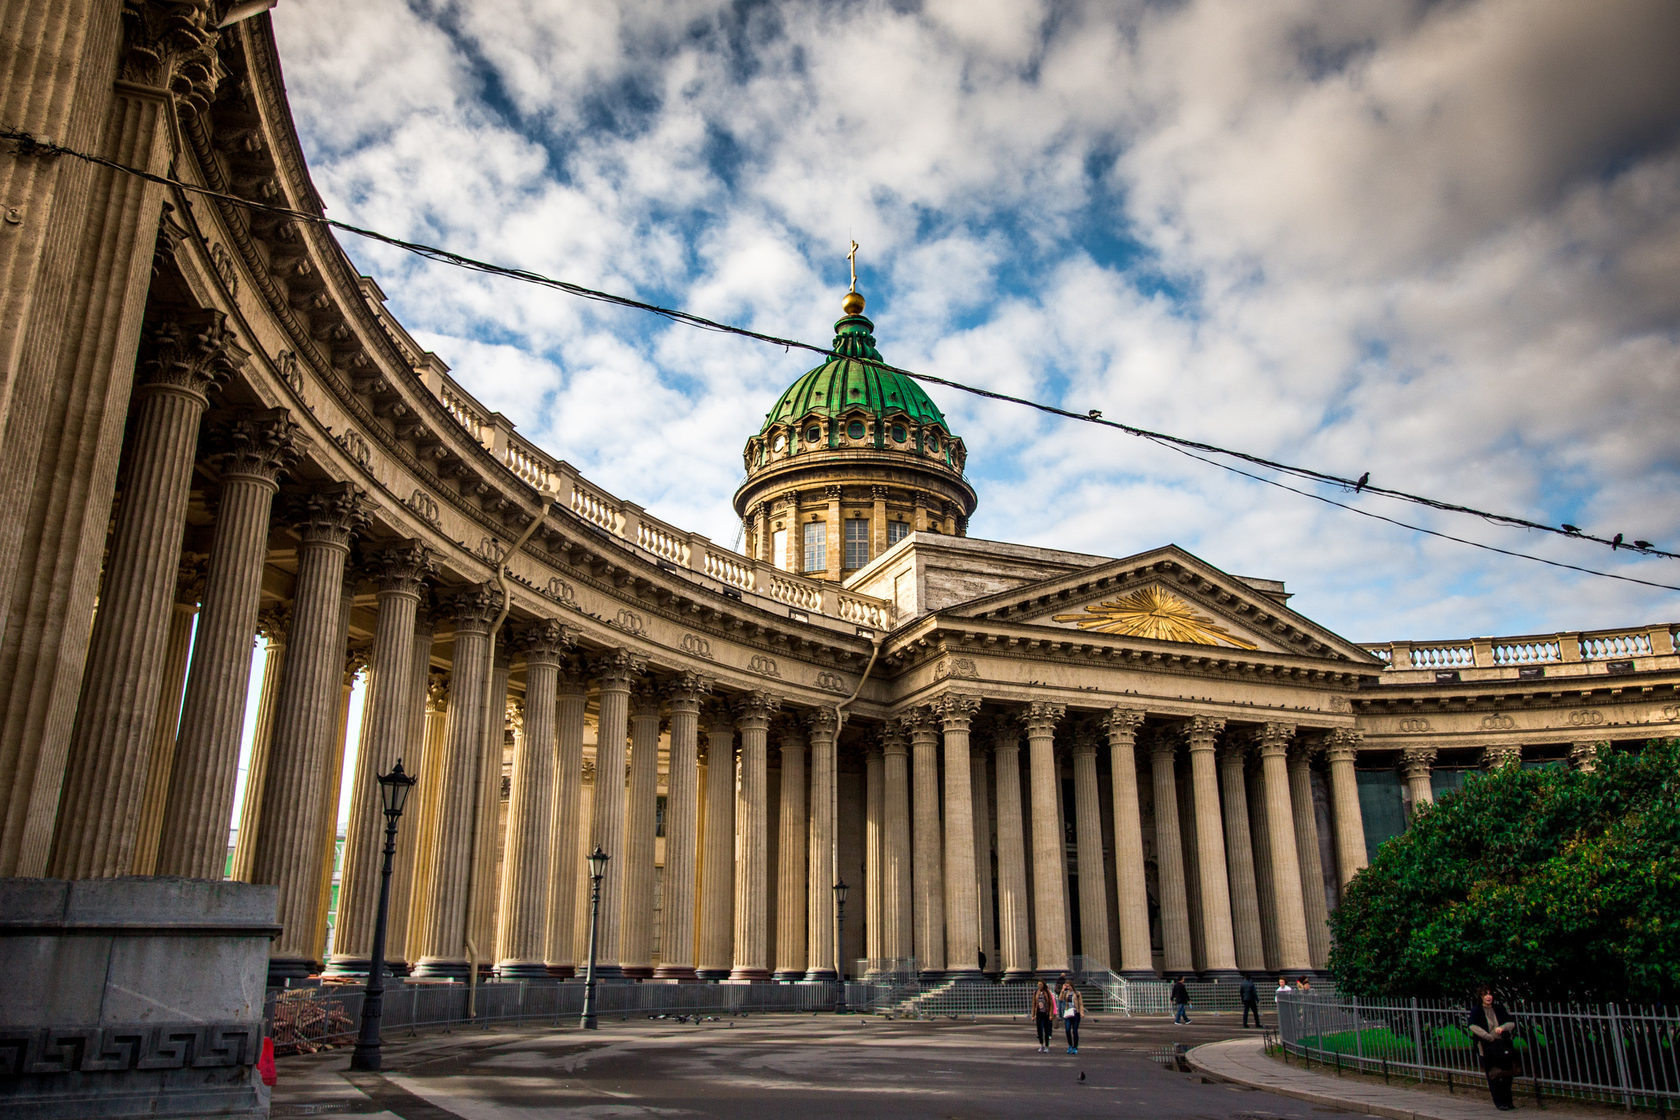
852,256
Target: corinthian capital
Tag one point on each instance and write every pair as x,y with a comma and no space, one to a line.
686,691
330,514
618,668
1041,717
402,567
755,709
823,724
257,444
1122,724
192,353
1342,744
1417,762
544,640
1201,732
472,608
956,711
171,44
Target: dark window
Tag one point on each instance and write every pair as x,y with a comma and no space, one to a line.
855,429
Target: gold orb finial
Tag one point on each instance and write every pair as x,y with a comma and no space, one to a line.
852,304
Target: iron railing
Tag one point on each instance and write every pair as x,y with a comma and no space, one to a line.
1624,1055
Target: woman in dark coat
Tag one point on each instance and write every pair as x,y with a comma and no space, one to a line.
1492,1028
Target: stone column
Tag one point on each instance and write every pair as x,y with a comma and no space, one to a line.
110,744
416,743
401,571
253,450
1416,763
1582,756
168,722
443,939
897,941
825,788
1049,879
1137,957
1293,946
717,851
791,861
1093,887
423,803
1219,945
641,805
1306,854
836,532
1239,854
979,791
752,839
616,672
332,781
289,842
69,337
927,872
1014,926
569,860
874,856
962,899
271,628
1342,746
1493,757
522,921
684,695
877,521
481,887
1169,860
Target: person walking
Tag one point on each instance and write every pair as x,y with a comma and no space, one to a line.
1072,1010
1250,997
1044,1008
1492,1029
1180,1001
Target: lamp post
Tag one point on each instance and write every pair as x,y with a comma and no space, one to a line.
597,869
393,793
840,1007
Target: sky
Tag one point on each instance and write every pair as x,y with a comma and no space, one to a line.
1438,242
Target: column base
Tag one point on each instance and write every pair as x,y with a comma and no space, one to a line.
931,975
711,974
285,972
561,971
343,967
787,975
438,968
740,972
673,972
1138,974
1053,974
1223,976
965,976
397,968
1019,976
521,970
821,976
632,971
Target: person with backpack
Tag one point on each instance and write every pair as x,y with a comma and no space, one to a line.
1072,1010
1250,997
1044,1008
1180,1001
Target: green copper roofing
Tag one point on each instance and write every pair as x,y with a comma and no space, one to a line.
841,385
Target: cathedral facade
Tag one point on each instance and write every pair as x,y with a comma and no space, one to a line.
1021,760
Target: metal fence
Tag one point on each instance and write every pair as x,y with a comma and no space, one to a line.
1615,1054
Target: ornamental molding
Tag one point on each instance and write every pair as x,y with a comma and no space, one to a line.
150,1047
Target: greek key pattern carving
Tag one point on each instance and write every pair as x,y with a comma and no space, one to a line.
697,646
115,1049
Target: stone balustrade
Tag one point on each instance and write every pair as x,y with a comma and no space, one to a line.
1573,654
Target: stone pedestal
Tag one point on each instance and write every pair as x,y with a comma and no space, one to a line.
132,997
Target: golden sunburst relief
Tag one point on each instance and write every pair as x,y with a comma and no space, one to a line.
1151,612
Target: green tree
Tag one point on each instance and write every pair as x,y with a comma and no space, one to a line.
1547,883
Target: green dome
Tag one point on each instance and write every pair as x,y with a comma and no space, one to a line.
841,385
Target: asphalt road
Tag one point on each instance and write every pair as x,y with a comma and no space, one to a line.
781,1066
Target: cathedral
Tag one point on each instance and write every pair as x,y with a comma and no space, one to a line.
1020,760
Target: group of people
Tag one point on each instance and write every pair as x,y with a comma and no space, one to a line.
1064,1003
1248,995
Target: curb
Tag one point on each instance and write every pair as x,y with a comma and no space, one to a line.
1307,1095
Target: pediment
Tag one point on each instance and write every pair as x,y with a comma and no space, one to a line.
1165,595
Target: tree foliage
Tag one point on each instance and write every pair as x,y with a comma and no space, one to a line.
1549,884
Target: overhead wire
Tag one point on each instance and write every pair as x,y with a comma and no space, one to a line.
29,144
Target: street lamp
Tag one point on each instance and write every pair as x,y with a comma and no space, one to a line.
840,1007
597,869
394,789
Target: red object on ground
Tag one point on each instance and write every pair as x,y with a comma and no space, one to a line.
265,1063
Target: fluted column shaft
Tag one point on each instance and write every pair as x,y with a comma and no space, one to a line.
962,897
1137,956
1417,764
1306,853
617,673
482,887
401,572
332,783
522,921
897,942
717,853
682,826
423,803
791,862
641,804
1294,953
1049,879
752,839
568,863
1239,854
443,941
158,771
1014,923
822,959
204,771
289,843
1218,941
1169,860
874,852
1093,883
398,940
1341,749
110,743
271,627
978,790
928,872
